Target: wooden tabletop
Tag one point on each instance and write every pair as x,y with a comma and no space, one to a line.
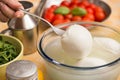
113,20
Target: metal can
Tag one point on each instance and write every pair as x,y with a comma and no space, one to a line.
22,70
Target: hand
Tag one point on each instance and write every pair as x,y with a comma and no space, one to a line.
10,9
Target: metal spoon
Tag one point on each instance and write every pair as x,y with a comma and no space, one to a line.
58,31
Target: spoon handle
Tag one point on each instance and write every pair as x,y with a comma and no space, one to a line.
56,30
30,13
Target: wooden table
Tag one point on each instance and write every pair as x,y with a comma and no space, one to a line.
113,20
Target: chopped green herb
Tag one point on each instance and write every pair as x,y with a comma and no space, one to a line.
7,52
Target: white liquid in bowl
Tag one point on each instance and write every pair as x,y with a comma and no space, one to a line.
97,57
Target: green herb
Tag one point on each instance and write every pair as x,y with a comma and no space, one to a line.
62,10
79,11
7,51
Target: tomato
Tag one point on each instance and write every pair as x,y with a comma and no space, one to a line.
49,16
69,16
58,21
72,6
91,5
74,2
89,16
54,7
85,19
76,18
66,20
90,10
85,3
65,3
98,9
49,10
93,12
81,6
99,16
58,16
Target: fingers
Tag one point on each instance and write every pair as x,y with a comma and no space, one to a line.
14,4
8,12
18,14
10,9
3,18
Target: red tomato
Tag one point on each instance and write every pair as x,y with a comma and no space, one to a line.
66,20
85,3
76,18
90,10
81,6
91,5
69,16
49,10
85,19
65,3
74,2
58,16
98,9
99,16
54,7
72,6
90,17
58,21
49,16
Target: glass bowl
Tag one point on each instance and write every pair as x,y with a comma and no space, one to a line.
56,67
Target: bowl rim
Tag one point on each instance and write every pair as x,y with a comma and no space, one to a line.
52,61
20,53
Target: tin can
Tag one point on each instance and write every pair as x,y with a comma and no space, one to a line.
25,29
22,70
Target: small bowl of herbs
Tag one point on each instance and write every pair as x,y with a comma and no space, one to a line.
11,49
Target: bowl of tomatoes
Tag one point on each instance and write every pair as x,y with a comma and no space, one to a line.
61,11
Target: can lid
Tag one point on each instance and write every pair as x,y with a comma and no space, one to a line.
21,69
